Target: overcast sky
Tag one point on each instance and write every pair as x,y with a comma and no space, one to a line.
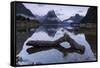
63,12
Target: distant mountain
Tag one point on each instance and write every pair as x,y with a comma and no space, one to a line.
70,21
91,16
74,19
51,20
22,10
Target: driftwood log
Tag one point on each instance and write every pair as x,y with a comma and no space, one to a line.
46,45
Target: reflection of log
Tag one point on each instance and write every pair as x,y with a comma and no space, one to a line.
46,45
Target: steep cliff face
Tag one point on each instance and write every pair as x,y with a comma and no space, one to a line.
91,16
22,10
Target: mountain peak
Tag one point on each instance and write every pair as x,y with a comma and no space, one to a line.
51,13
51,20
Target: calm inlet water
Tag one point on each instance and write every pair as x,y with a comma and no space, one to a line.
53,55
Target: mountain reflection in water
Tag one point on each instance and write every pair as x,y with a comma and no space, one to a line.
53,55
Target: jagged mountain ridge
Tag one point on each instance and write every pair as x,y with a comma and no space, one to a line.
74,19
49,19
